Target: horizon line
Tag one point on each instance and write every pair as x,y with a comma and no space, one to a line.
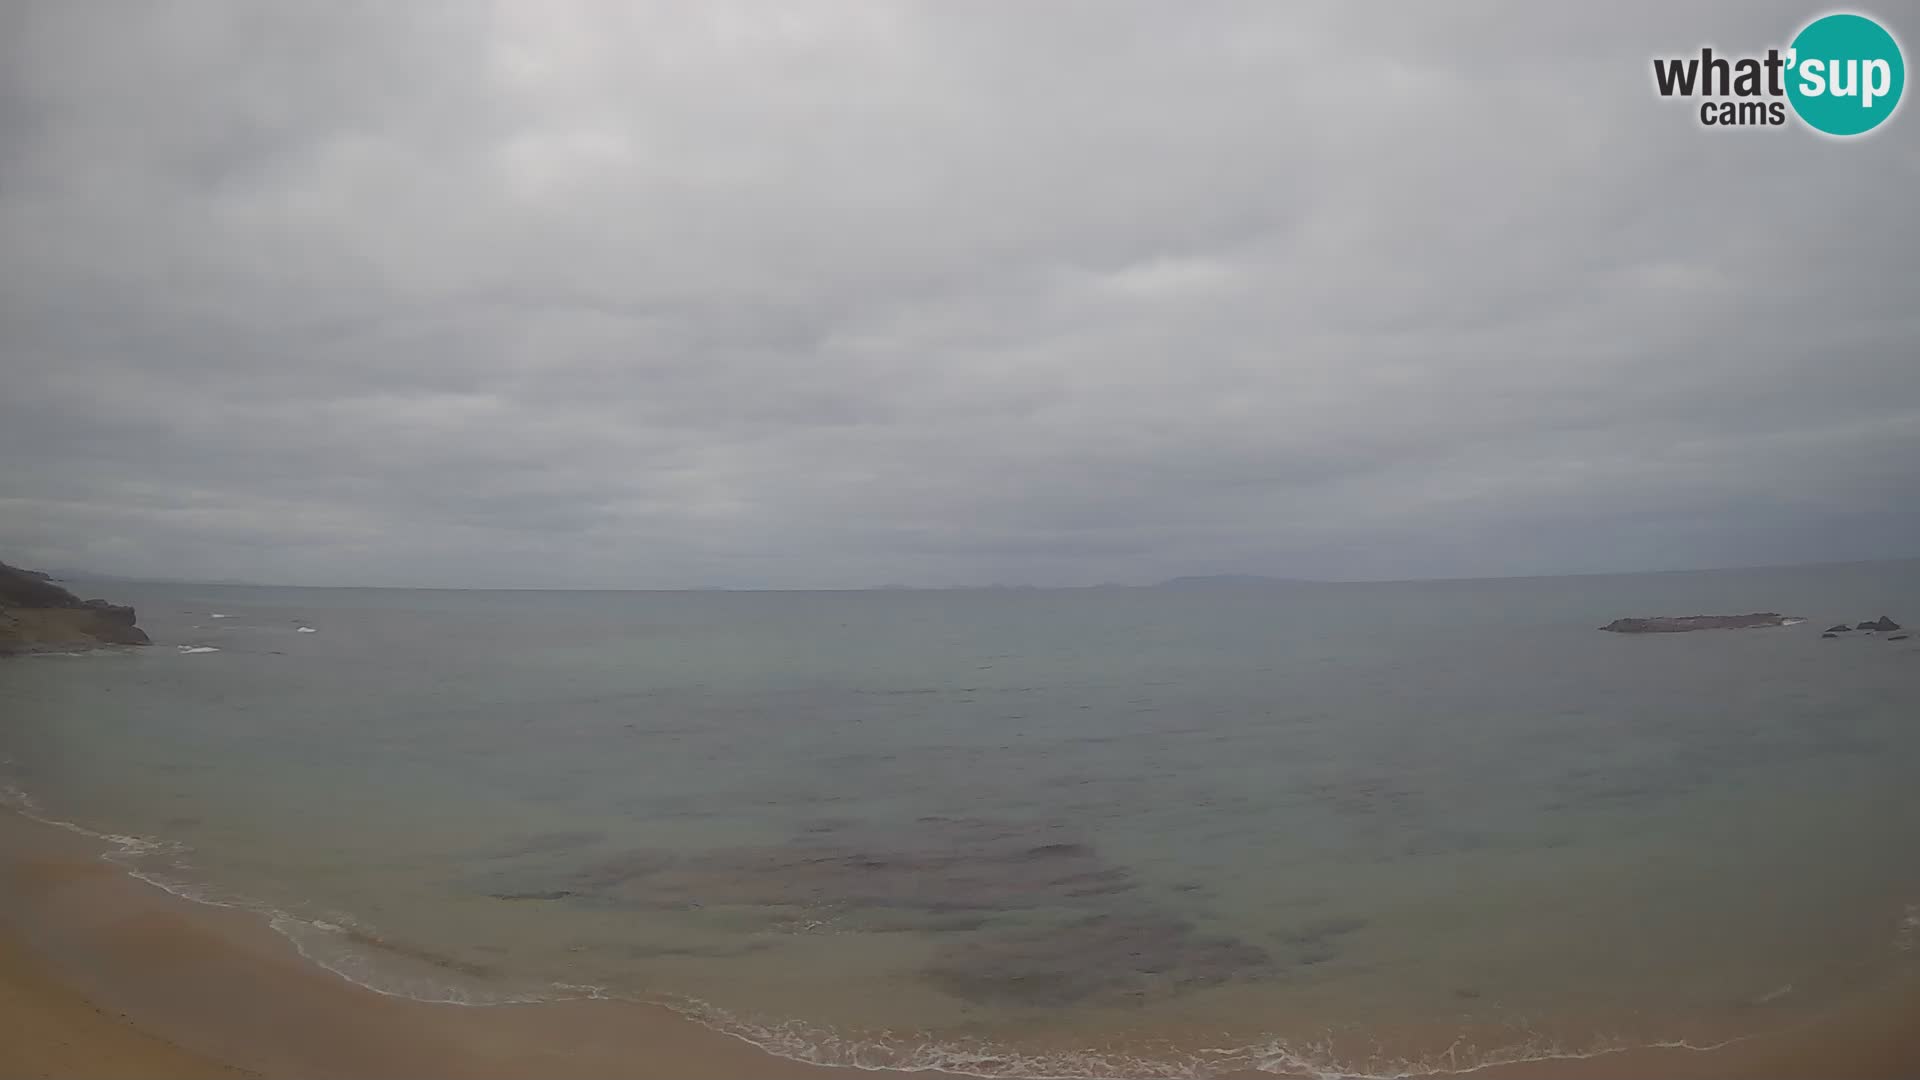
1252,580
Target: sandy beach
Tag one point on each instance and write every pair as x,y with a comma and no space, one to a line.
47,1029
102,975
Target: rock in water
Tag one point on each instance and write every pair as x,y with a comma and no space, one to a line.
1830,634
1899,637
1670,624
1885,624
1840,629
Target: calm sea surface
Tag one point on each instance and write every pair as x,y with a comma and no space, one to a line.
1354,828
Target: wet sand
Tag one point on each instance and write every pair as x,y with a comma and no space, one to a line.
102,975
48,1030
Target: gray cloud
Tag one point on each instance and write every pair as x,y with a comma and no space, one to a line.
839,294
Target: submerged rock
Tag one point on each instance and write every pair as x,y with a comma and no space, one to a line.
1898,637
1103,959
1671,624
936,877
1840,629
1016,914
1830,634
931,869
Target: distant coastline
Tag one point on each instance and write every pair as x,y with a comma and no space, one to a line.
1180,582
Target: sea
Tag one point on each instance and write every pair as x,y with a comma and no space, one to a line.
1392,829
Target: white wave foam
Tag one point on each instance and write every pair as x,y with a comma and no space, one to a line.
328,944
216,615
799,1041
305,630
125,845
192,650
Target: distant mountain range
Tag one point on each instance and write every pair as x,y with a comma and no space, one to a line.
108,579
1194,581
1191,581
1229,581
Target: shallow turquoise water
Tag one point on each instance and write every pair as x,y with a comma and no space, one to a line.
1364,827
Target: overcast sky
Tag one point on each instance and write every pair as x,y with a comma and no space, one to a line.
833,294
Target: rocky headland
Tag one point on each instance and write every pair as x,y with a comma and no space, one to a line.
37,615
1677,624
1884,627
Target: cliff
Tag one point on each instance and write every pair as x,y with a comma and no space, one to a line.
38,616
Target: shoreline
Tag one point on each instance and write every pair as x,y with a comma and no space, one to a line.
198,986
105,974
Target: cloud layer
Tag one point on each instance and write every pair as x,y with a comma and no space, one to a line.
842,294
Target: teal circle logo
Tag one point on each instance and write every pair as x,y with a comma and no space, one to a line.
1845,74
